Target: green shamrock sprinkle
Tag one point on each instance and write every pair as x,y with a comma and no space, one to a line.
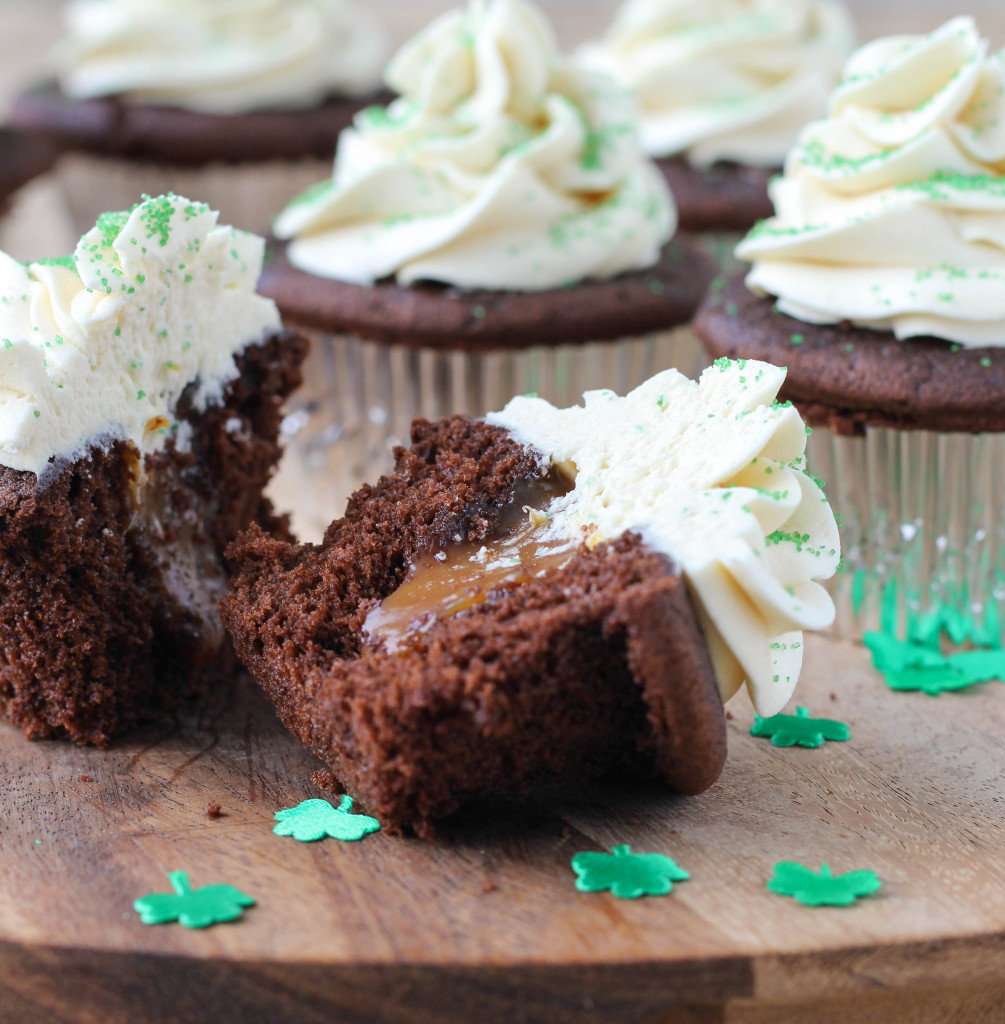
799,730
823,889
315,819
628,875
910,666
193,908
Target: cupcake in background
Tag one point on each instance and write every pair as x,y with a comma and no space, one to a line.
33,220
880,282
234,100
495,230
723,89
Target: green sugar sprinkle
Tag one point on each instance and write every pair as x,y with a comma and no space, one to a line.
58,261
37,413
140,395
797,339
985,361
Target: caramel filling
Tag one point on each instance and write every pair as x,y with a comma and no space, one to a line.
460,576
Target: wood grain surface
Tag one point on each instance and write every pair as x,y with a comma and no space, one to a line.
486,924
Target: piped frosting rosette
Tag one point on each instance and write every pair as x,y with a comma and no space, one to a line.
713,474
221,56
99,346
726,79
501,166
891,212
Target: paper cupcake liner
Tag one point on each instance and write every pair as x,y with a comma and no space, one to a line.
923,532
359,399
248,195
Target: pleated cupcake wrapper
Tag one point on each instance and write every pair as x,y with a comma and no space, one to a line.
923,532
248,195
359,399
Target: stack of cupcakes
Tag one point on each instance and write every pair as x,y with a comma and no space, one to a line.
880,282
236,103
495,230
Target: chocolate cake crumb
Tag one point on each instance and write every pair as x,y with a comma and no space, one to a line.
589,668
85,778
323,779
107,613
213,810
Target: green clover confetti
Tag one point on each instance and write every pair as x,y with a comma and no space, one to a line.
823,889
194,908
910,666
315,819
628,875
799,730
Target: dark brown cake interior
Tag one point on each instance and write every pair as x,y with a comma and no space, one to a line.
109,576
847,378
592,666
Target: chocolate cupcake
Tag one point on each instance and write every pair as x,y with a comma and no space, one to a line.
548,593
495,230
723,90
32,223
880,282
238,102
140,399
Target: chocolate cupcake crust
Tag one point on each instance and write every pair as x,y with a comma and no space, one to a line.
724,197
162,134
848,378
441,317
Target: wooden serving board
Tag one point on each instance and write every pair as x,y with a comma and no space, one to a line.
485,926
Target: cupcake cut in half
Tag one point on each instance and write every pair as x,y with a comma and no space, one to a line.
238,101
548,593
880,281
141,383
495,230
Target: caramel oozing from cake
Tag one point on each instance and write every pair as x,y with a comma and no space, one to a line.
463,575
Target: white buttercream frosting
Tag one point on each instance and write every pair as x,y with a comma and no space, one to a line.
220,56
726,79
712,473
500,166
99,347
891,212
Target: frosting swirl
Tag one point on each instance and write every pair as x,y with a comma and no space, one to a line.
726,79
220,56
891,212
500,166
713,474
99,346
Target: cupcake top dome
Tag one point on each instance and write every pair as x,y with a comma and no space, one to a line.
726,79
501,165
220,56
891,211
99,346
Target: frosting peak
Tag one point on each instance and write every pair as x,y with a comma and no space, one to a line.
99,346
726,79
713,474
220,56
501,166
891,212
